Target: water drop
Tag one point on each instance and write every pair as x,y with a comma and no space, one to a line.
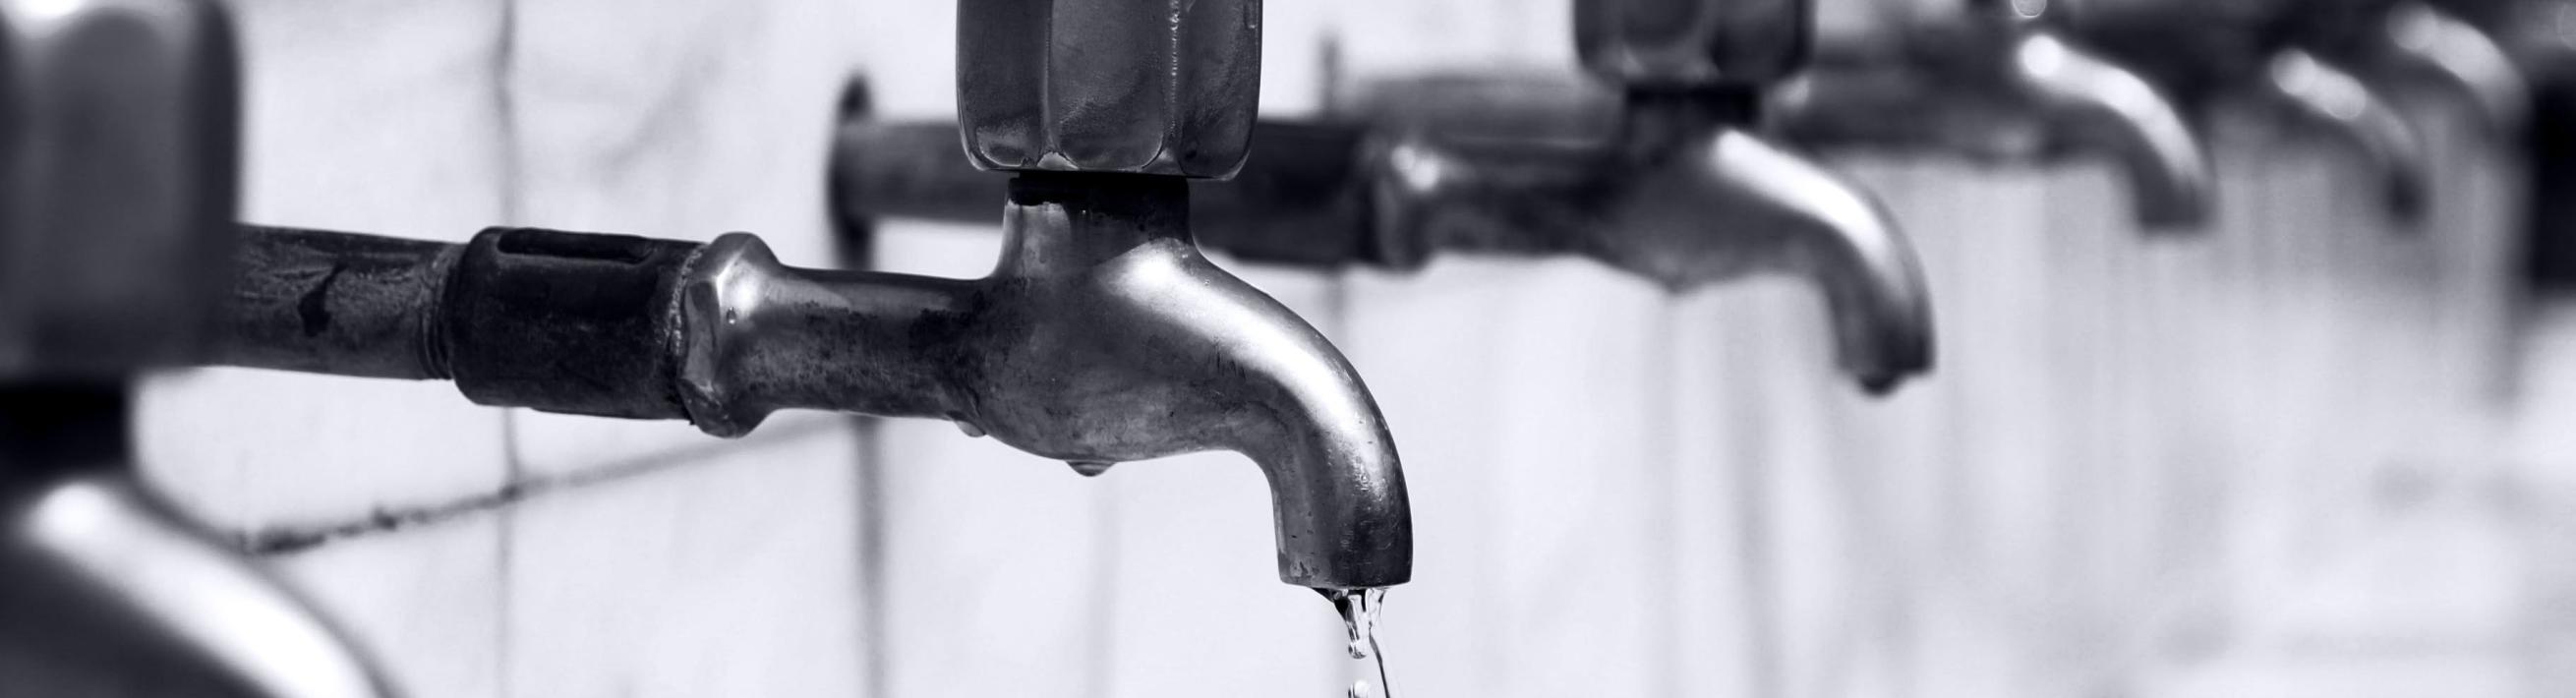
1359,609
1090,468
732,316
972,431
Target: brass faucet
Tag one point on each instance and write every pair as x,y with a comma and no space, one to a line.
1675,186
1101,336
1999,82
118,189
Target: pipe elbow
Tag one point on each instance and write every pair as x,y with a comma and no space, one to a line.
2119,111
1094,350
112,592
1840,237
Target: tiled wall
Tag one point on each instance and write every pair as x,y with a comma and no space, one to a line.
1618,492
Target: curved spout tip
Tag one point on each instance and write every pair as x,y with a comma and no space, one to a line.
1843,238
2430,40
2165,159
2356,114
105,587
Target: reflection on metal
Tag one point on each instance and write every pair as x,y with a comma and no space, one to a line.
117,187
2364,120
2412,40
2210,54
1714,205
2001,88
1684,200
111,593
1102,337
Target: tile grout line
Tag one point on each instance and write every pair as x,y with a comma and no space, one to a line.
513,206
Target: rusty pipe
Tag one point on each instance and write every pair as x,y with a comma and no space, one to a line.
1102,336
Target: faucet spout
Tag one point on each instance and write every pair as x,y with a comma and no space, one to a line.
1718,204
2422,38
2117,110
2357,114
1101,337
2007,91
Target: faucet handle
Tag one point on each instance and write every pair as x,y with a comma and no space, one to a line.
1164,87
1680,44
119,162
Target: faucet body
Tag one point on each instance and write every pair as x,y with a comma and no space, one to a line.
1994,84
117,185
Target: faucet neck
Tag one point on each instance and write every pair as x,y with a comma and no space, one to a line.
1658,121
1067,222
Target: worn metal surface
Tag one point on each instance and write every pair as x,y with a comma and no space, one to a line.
1162,87
120,150
1102,337
2414,41
2000,85
117,188
1715,205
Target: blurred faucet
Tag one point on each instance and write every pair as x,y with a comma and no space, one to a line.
1674,187
1998,81
2411,40
2208,54
1101,336
114,207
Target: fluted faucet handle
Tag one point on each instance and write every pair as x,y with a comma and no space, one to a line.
1682,44
1164,87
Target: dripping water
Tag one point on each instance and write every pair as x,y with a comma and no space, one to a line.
1359,609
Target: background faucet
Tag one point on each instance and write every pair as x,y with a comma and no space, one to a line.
2412,40
1999,81
1676,188
1101,336
2207,53
118,185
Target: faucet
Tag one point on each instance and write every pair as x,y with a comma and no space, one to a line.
1999,81
2210,53
119,183
2415,40
1678,190
1101,336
